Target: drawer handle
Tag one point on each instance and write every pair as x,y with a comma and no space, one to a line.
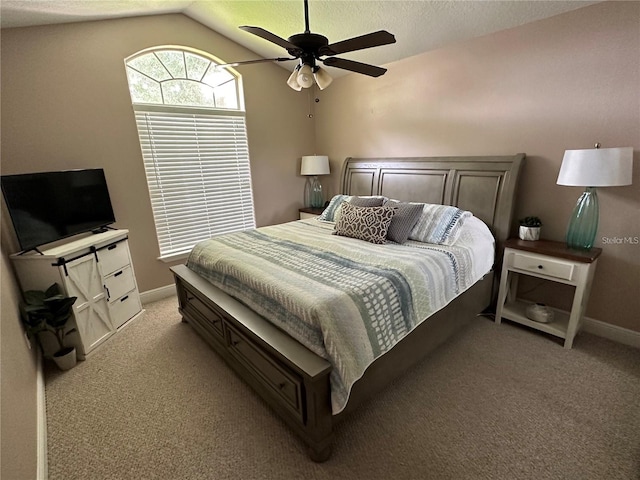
540,267
124,298
190,298
120,273
111,247
282,385
235,342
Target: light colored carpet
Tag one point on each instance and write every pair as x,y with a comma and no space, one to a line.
495,402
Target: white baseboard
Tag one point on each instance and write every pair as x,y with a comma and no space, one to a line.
42,470
157,294
612,332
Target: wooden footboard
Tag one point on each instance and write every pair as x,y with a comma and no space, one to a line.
293,380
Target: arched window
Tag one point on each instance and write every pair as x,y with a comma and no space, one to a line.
191,124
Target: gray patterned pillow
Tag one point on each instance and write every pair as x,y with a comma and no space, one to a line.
366,201
332,212
406,217
364,223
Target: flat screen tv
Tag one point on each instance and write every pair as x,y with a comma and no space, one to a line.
49,206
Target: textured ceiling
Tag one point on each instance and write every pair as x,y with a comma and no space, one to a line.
418,26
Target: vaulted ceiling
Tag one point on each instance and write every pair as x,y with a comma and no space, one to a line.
418,25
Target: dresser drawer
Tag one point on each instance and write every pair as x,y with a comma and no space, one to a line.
119,283
284,384
204,313
543,265
124,308
113,257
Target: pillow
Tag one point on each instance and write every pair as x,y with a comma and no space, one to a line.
328,215
332,212
439,224
405,218
366,201
364,223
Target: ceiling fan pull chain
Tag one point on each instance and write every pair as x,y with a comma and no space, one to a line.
312,93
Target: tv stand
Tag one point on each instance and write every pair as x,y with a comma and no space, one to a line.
36,249
97,269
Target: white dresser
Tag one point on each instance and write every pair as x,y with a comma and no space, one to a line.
97,269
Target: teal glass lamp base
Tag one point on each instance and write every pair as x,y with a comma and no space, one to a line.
317,200
307,193
583,225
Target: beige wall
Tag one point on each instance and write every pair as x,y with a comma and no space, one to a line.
18,387
65,104
560,83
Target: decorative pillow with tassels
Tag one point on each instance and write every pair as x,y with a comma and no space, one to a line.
439,224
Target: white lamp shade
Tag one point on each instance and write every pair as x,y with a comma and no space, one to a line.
597,167
305,76
293,80
323,79
315,165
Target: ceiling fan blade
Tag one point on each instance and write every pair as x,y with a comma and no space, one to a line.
262,33
249,62
375,39
352,66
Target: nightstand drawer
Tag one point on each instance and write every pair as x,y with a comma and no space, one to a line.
543,266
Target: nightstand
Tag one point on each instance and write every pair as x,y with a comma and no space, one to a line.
310,212
552,261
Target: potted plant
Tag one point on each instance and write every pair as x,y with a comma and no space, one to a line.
529,228
50,311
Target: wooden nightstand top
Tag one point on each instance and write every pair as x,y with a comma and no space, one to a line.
554,249
312,210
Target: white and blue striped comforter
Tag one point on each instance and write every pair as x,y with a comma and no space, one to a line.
347,300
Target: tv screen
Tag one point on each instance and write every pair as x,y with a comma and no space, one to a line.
49,206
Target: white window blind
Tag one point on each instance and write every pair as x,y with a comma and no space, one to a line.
198,172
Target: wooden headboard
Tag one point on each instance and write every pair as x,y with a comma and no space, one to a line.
483,185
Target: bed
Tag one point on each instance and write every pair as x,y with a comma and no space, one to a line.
245,314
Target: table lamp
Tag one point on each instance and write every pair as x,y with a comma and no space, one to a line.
591,168
314,165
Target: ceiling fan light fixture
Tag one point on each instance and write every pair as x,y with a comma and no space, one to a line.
310,48
323,79
305,76
293,80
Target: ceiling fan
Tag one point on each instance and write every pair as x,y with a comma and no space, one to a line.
309,47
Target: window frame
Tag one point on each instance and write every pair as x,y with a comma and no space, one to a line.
243,179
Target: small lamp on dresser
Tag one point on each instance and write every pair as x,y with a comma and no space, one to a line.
314,165
591,168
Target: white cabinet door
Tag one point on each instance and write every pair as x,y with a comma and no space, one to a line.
82,279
